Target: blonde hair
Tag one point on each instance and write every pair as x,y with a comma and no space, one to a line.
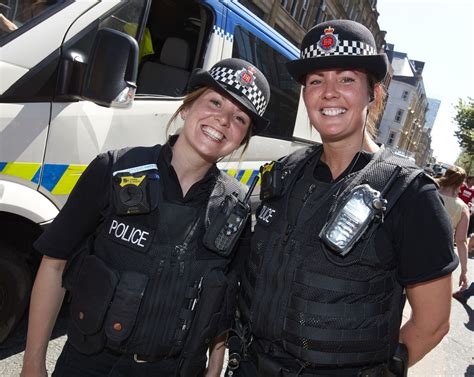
378,93
188,101
452,178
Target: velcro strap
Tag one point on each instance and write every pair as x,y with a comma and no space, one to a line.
317,334
336,358
317,280
353,311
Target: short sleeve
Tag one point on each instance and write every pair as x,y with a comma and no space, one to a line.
425,247
82,212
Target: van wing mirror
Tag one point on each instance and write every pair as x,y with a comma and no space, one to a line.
111,73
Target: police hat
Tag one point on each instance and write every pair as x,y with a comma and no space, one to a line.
241,80
338,44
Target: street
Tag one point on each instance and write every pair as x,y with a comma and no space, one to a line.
453,357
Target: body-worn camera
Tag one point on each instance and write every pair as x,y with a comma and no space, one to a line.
272,182
131,189
228,223
351,218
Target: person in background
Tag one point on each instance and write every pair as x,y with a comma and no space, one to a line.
147,296
449,186
466,193
345,231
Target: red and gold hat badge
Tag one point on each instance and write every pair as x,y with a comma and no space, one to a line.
246,75
329,41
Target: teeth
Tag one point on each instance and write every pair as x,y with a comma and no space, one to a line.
212,133
333,111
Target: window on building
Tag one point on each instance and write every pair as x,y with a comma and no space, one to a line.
294,7
284,3
398,115
405,95
391,139
283,105
303,12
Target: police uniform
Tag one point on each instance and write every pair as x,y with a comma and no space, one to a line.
306,308
148,287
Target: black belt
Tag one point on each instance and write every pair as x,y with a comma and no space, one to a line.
137,357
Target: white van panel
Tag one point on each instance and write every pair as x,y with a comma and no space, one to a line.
81,130
23,129
9,74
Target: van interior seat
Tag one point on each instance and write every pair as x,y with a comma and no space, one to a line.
170,75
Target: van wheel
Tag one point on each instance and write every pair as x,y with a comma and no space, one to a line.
15,287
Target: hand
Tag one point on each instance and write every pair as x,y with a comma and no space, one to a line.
6,24
463,281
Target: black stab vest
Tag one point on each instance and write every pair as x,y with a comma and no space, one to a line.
314,305
155,265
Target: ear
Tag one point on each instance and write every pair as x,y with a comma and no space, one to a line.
184,113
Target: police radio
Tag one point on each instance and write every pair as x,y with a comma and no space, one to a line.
228,223
272,180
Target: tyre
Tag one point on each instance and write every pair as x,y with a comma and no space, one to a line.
15,288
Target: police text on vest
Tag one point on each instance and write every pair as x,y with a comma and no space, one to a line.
132,235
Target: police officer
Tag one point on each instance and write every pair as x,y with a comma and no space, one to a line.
344,230
147,296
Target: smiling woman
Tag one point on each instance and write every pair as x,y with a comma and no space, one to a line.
142,248
342,233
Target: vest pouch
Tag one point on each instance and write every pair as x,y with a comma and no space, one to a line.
92,295
205,325
74,264
123,312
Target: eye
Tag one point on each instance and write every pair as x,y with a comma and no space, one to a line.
315,81
241,119
347,79
216,103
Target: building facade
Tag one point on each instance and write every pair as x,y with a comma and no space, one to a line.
293,18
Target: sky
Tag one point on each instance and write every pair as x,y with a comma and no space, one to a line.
441,34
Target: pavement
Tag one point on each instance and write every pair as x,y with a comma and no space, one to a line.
453,357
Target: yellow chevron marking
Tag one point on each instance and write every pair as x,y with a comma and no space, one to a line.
68,179
25,170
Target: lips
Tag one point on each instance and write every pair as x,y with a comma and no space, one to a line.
333,111
213,133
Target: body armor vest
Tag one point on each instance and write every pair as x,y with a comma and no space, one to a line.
319,307
136,283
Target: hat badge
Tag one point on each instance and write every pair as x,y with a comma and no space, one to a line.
246,75
328,41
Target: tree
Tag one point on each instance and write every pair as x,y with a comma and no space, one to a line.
466,162
465,119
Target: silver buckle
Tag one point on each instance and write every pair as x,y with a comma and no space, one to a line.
137,360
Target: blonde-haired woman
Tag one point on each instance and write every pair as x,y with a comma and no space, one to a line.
450,184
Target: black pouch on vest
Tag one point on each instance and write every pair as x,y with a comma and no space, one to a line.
74,264
268,367
124,309
205,325
92,295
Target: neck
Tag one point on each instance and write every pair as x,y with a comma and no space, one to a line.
339,155
190,166
448,191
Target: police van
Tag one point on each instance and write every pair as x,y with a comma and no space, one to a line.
69,71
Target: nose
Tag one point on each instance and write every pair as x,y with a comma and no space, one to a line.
330,88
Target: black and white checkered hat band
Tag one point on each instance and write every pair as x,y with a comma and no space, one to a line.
344,47
230,77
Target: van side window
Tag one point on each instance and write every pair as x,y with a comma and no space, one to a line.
16,14
178,31
285,92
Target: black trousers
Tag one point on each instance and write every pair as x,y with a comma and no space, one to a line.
72,363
